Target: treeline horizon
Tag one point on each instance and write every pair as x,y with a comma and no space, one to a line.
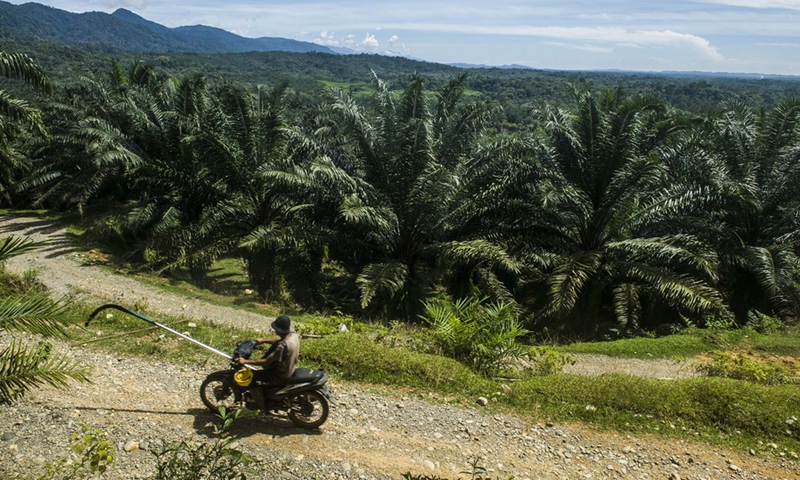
610,212
310,73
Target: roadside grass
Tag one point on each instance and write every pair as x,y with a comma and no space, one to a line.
716,410
693,342
681,345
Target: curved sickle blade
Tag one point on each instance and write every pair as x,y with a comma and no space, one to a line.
152,322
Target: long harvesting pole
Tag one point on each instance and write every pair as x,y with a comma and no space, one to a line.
153,322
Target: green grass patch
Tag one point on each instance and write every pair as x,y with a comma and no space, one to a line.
357,358
717,410
720,410
693,342
673,346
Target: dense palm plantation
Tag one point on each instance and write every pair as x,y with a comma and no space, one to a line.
757,155
594,207
608,214
408,223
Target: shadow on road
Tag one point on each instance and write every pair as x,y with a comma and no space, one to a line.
31,227
250,424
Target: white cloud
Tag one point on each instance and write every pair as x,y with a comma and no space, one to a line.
370,42
600,37
328,39
584,47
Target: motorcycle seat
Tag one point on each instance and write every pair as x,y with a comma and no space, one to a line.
305,375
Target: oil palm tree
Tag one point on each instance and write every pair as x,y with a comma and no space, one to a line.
587,212
136,143
24,366
18,118
757,156
406,221
103,128
263,217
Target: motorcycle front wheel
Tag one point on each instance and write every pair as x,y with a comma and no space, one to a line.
308,409
216,392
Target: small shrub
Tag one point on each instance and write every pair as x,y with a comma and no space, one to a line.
741,367
719,321
764,324
477,472
186,460
91,455
216,460
483,337
547,361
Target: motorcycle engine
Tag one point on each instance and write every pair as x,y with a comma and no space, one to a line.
253,399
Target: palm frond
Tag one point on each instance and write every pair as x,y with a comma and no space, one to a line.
31,313
19,65
478,252
388,277
762,264
675,252
679,290
627,305
568,279
354,211
20,111
13,245
24,367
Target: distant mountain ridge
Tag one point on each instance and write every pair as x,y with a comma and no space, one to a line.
126,30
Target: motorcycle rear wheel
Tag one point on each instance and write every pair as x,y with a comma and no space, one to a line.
216,392
308,409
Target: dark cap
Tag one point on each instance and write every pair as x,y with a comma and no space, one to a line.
282,325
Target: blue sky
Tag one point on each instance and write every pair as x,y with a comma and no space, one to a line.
752,36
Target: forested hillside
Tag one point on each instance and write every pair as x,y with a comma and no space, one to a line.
126,31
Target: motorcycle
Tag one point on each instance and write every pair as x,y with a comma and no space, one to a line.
304,398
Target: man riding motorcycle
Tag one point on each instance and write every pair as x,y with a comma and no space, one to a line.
279,361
